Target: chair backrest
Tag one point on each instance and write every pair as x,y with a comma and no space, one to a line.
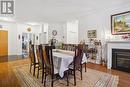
78,57
32,54
49,59
80,46
39,51
83,46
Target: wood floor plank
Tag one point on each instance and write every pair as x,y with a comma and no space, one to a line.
8,79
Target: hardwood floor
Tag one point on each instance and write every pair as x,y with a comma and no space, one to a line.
8,79
124,78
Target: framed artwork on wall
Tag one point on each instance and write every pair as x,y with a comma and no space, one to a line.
92,34
120,23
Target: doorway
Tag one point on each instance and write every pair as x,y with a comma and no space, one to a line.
26,39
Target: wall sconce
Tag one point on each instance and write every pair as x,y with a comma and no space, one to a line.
29,29
37,37
19,37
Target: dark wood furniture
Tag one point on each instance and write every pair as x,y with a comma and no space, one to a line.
77,63
49,67
39,51
71,47
84,47
32,57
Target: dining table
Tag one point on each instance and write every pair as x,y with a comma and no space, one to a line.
62,59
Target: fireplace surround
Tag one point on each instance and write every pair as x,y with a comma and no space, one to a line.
121,59
115,45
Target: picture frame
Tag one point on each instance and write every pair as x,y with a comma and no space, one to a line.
92,34
120,23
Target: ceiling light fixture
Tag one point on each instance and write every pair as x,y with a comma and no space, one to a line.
33,23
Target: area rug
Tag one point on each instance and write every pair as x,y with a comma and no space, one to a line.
91,78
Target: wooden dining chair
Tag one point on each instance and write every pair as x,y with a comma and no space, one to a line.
39,51
76,65
32,57
49,67
82,46
85,47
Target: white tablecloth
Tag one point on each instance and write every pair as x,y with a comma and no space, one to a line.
84,59
61,62
62,59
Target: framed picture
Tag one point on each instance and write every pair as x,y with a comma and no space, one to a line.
120,23
92,34
54,32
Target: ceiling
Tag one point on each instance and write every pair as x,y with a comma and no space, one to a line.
59,10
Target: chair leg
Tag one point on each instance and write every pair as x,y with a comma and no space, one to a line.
42,74
30,67
38,72
81,73
45,80
74,79
67,77
52,81
34,70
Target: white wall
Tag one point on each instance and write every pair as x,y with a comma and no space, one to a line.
67,32
61,31
100,20
12,36
14,30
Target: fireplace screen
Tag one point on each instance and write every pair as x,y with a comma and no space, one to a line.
121,59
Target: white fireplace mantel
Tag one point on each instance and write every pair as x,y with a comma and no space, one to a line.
115,45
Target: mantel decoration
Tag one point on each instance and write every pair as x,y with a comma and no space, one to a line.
126,37
120,23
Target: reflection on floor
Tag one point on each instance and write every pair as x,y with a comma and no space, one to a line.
8,78
11,58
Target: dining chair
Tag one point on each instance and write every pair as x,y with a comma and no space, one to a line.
49,67
32,57
77,63
39,51
65,47
83,47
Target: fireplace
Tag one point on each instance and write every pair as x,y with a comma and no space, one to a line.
121,59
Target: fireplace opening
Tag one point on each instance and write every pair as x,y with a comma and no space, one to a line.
121,59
